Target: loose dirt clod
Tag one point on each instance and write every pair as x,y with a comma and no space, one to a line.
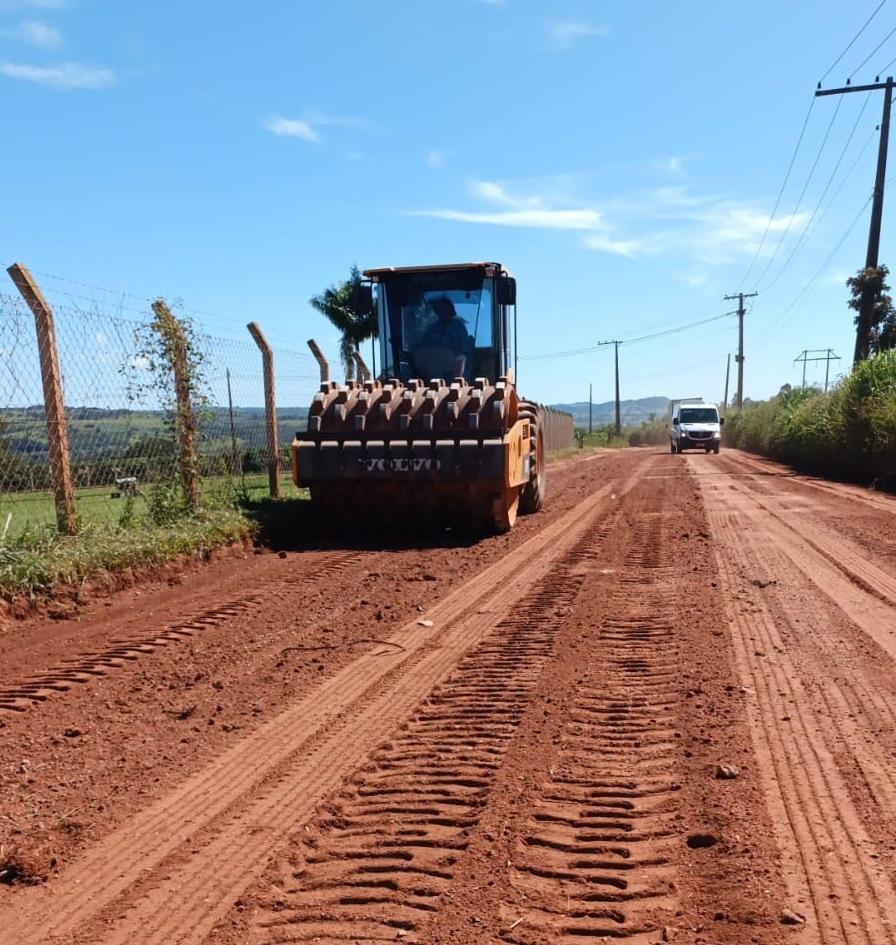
727,772
701,841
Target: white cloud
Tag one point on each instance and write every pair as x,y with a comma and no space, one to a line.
537,211
532,219
694,280
698,230
70,75
315,118
293,128
40,34
673,166
606,244
564,33
435,159
308,126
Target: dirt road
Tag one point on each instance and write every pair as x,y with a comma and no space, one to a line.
660,711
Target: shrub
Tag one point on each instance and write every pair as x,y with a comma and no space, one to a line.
848,432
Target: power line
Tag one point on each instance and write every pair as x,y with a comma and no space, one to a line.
572,352
849,45
876,48
771,218
801,295
674,331
815,213
799,201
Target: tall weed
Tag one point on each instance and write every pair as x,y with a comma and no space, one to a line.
849,432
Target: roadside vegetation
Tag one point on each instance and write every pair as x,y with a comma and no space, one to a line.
179,504
848,433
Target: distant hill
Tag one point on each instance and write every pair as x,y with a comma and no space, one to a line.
632,412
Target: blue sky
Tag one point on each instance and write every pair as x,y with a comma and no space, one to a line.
623,160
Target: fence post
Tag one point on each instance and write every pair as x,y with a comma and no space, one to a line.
270,408
321,361
168,326
363,370
54,403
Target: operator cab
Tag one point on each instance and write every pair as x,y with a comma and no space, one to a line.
444,321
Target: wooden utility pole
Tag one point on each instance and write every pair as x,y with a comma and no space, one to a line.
616,344
618,416
727,376
270,409
739,357
54,403
590,409
870,295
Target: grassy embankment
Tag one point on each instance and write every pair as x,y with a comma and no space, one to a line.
848,433
117,534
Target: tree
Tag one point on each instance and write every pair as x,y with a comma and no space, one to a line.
880,332
349,306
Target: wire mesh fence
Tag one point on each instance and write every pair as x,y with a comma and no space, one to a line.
121,438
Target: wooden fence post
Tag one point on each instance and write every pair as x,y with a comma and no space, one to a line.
363,370
168,326
270,408
321,361
54,404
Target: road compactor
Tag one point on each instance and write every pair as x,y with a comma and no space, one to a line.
441,433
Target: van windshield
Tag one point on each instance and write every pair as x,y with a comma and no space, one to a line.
699,415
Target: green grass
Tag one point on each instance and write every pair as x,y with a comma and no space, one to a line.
95,506
34,557
40,558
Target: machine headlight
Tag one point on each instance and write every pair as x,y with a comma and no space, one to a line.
717,435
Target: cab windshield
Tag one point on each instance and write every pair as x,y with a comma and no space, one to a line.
699,415
439,324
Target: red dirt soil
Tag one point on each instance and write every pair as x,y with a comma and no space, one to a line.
661,710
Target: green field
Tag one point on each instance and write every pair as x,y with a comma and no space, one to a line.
97,506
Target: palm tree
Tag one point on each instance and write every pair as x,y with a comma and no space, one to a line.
349,306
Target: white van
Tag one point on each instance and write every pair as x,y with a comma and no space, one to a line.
695,427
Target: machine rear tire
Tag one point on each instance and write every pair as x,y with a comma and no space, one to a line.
532,497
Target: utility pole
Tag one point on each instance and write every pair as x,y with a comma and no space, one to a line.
590,402
602,344
869,295
826,355
618,419
827,367
739,357
727,375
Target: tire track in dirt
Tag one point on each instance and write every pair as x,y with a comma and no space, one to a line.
392,839
594,859
842,572
86,666
376,865
175,869
830,850
839,490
